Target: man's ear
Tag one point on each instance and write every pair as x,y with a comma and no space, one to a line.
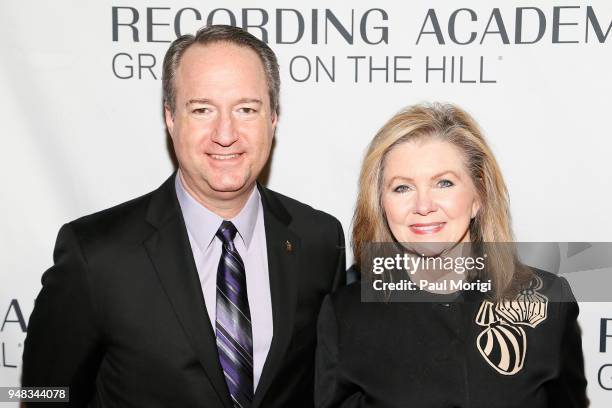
169,118
274,123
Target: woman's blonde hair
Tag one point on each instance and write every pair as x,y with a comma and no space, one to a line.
445,122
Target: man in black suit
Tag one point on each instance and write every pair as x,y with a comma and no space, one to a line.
204,292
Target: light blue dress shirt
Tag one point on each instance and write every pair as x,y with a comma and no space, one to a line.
202,225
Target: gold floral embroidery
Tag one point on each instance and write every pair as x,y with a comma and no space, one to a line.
503,343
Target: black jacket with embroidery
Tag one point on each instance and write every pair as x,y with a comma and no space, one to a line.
472,353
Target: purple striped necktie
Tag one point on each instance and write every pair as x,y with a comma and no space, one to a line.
233,321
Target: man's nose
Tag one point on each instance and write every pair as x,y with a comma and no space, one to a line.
425,203
225,133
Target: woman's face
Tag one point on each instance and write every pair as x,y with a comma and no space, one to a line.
428,195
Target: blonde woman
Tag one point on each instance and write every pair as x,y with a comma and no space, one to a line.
429,178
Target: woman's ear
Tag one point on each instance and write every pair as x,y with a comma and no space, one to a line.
475,208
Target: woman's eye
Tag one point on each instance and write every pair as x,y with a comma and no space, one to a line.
401,189
445,183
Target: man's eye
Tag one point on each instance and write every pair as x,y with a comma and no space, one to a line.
401,188
247,110
445,183
201,110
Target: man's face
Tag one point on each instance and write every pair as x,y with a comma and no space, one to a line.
222,126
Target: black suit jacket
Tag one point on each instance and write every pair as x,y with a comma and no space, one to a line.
426,355
121,317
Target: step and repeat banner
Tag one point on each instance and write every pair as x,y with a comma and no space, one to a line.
83,128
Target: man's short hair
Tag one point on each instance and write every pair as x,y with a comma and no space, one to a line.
213,34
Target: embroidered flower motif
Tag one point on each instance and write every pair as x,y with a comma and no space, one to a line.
503,343
504,346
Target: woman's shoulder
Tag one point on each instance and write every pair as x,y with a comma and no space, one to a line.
347,295
554,287
546,299
353,302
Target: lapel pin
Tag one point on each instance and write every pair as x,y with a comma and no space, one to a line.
288,246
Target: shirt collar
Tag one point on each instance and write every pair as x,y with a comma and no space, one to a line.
203,224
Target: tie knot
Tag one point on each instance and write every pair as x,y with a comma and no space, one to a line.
227,232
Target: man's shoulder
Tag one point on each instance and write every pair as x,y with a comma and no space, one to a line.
120,222
299,211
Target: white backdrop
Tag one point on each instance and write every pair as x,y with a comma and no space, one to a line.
82,125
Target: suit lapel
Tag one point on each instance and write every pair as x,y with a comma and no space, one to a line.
283,247
170,252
